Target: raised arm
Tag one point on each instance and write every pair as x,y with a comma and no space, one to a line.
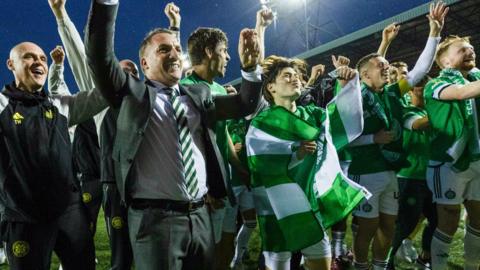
436,19
244,103
173,14
73,46
107,74
56,80
264,19
388,35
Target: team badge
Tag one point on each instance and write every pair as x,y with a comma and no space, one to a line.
117,222
17,118
87,197
450,194
20,249
367,207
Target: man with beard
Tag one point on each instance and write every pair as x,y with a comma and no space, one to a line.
378,153
453,174
41,204
165,153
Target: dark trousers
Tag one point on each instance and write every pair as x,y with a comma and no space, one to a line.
29,246
171,240
117,228
415,199
92,198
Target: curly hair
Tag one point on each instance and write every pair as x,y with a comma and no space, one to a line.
271,68
202,38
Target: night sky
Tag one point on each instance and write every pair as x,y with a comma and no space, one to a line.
32,20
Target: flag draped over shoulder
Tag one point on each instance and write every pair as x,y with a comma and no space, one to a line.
295,199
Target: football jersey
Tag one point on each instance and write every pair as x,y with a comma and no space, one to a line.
380,111
454,136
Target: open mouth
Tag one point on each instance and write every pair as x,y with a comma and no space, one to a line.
174,66
38,71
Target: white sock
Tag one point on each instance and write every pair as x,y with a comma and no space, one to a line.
440,248
242,239
472,248
338,244
379,265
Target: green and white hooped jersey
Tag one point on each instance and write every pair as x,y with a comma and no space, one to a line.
455,127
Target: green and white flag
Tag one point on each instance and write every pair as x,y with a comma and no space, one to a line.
296,200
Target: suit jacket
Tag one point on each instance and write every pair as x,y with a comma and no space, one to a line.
135,99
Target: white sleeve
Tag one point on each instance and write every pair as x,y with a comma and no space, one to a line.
108,2
424,62
56,81
253,76
76,55
363,140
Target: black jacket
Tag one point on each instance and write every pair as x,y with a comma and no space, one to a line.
36,175
86,152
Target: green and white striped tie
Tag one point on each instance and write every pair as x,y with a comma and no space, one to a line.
186,143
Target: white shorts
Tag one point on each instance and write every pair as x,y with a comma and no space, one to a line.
384,189
244,202
451,187
281,260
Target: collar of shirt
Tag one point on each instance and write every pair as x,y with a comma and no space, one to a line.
160,86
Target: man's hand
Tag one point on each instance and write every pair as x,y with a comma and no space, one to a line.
173,14
230,90
340,61
317,71
383,137
238,147
345,74
58,55
436,18
58,8
306,148
390,33
264,18
248,49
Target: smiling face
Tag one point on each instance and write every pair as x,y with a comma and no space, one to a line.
218,60
286,86
460,55
162,59
376,72
28,64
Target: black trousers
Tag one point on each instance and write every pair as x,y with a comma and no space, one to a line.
92,198
117,228
415,198
29,246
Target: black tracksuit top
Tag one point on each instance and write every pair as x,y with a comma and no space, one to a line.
36,174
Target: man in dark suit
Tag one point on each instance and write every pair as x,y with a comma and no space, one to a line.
165,154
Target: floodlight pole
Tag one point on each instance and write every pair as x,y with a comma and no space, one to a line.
307,45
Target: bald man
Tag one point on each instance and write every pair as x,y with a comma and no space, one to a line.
39,200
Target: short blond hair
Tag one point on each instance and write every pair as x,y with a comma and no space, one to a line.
445,44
